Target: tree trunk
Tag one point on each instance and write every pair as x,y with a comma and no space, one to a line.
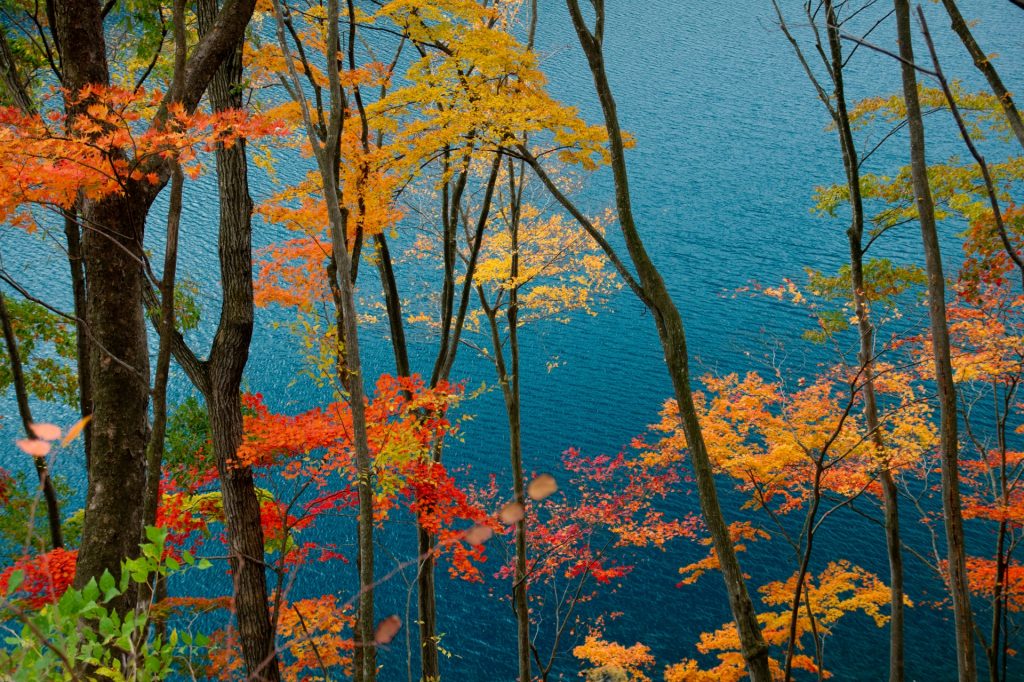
452,320
866,330
981,61
75,263
118,357
948,445
155,450
25,410
119,364
520,598
393,304
352,380
113,257
508,378
228,357
673,341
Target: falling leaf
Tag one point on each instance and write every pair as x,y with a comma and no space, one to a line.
478,535
543,486
75,430
36,448
387,629
46,431
512,512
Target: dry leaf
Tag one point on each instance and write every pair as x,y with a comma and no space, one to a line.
478,535
387,629
75,430
512,512
36,448
543,486
46,431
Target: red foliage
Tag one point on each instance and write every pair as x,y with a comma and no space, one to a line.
46,577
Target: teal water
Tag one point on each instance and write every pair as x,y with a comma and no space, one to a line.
730,144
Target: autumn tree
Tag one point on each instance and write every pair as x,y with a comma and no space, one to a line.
832,94
799,449
421,148
941,351
649,286
119,362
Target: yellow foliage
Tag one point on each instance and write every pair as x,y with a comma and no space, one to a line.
840,589
768,437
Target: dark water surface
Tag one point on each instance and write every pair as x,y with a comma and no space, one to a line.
730,142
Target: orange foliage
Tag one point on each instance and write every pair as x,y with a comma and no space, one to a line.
314,636
981,576
768,438
52,159
839,590
739,531
631,660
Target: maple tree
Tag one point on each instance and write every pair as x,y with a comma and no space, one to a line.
800,449
583,541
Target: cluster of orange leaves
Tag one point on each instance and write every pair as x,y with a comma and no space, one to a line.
115,138
766,437
740,532
615,657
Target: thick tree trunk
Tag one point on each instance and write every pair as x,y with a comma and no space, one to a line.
948,444
673,341
119,363
113,256
118,357
25,410
981,60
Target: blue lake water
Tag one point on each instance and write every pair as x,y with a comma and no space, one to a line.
730,142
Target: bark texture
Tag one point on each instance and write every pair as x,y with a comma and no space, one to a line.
673,341
112,253
224,368
981,61
948,445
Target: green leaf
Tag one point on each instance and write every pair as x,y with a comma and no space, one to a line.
106,582
14,581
